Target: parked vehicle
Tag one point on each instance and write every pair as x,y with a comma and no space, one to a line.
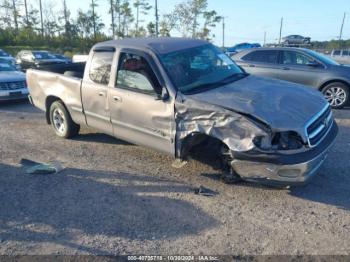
341,56
80,58
6,57
36,59
174,95
63,58
296,40
12,83
239,47
302,66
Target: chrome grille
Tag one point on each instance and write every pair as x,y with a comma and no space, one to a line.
12,85
319,126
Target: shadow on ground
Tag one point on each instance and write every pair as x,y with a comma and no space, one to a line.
94,203
18,106
100,138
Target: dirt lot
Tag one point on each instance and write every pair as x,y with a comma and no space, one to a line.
117,198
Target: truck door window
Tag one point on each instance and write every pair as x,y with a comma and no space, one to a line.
134,73
100,69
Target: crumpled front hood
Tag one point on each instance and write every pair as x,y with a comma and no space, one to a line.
12,76
284,106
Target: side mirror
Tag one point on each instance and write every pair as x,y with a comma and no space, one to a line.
164,95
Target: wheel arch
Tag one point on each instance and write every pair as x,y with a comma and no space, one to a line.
334,81
48,102
195,139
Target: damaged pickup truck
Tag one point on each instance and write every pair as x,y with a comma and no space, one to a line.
172,94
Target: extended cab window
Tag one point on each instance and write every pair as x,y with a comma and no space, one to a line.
263,56
135,73
100,69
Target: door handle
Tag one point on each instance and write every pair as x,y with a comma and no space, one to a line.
101,94
286,68
117,98
251,65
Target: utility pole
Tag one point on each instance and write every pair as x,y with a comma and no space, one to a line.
264,38
341,28
223,32
41,18
157,17
281,26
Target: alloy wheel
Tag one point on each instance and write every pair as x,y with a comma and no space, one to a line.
336,96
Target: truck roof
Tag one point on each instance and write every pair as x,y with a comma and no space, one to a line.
161,45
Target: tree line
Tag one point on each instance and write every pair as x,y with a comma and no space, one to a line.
37,23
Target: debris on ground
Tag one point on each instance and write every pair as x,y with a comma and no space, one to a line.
35,168
179,163
204,191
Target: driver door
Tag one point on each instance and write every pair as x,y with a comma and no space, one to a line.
138,114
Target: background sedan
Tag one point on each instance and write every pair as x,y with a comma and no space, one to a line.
301,66
296,40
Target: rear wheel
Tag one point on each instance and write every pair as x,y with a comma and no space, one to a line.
337,94
62,122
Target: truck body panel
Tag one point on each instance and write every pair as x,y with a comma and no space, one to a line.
130,90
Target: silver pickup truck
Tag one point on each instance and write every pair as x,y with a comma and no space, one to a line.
174,95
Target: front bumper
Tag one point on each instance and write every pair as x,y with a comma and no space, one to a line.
7,95
293,169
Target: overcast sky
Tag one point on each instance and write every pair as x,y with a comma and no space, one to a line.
247,20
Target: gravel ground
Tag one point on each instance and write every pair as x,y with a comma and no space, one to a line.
117,198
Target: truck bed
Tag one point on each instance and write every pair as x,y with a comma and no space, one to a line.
54,83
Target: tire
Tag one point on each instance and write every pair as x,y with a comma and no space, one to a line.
62,122
229,175
337,94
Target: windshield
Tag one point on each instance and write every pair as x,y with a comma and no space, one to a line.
5,67
323,58
42,55
3,53
200,68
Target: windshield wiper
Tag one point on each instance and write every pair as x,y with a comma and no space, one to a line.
233,78
212,85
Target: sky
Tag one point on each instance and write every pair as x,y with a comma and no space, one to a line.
248,20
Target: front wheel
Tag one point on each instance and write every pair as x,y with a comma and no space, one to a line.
62,122
337,94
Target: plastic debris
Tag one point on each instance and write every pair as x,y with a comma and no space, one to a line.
33,168
204,191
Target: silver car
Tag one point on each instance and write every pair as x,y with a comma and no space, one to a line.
302,66
13,85
296,40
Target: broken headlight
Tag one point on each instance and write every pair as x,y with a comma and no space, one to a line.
279,141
